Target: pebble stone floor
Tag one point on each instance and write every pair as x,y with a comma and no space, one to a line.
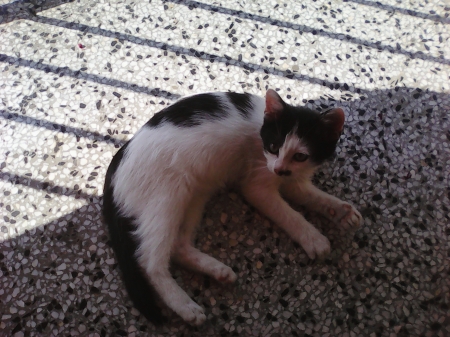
78,79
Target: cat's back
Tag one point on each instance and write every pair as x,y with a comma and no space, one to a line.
202,123
208,110
203,139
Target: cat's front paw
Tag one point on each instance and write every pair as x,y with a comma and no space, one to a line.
225,274
345,215
192,313
315,244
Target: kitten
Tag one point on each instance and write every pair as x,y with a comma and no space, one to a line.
158,183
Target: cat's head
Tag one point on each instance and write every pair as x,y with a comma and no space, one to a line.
296,139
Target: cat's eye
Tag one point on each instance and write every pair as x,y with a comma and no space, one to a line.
300,157
274,148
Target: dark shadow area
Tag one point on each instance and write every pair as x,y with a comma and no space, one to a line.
228,61
26,119
378,45
70,265
75,270
45,186
80,75
410,12
24,9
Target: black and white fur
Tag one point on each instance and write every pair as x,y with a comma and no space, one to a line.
158,183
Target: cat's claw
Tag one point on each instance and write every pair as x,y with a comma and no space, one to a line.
192,313
225,274
315,244
346,216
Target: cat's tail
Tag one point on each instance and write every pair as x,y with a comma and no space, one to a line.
124,244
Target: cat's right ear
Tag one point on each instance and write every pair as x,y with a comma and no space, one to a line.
334,121
274,105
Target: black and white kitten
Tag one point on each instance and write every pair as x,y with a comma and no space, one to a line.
158,183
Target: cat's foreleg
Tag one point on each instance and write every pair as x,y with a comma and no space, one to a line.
340,212
157,232
269,202
188,256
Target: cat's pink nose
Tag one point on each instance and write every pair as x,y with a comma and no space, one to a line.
281,172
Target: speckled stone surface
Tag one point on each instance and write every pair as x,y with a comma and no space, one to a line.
77,79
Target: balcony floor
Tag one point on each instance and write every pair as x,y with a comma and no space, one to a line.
78,79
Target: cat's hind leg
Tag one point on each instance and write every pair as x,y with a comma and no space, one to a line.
157,230
340,212
190,257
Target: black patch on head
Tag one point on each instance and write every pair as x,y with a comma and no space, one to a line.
190,111
311,130
242,102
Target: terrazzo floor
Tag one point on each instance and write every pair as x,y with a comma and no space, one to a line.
78,79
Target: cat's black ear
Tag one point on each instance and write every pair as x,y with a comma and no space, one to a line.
334,121
274,105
